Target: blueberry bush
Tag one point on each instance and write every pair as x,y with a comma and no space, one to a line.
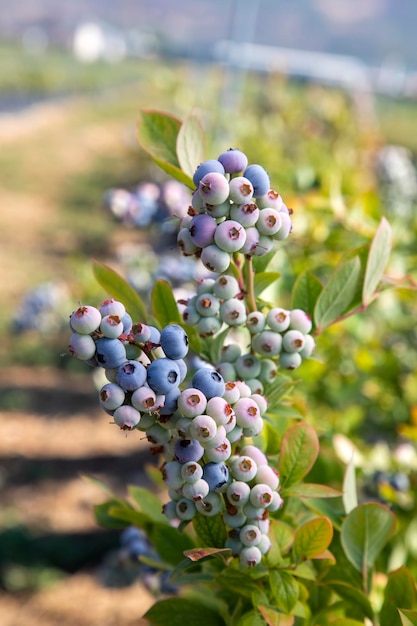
251,523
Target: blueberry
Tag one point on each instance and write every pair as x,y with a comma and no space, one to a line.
207,305
141,332
211,165
112,307
214,188
174,341
293,341
210,505
240,190
192,402
230,236
203,428
233,312
186,450
144,399
269,221
111,326
82,346
290,360
202,229
299,320
246,214
208,326
111,396
215,259
278,319
216,475
251,556
233,161
126,417
85,320
210,382
131,375
163,374
110,353
238,492
185,242
226,287
267,343
259,179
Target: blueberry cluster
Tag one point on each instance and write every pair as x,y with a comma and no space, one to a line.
283,334
255,371
141,386
216,302
198,431
233,209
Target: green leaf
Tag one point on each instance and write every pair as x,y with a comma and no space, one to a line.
400,591
284,589
148,504
312,538
129,515
260,263
217,343
364,533
330,507
164,305
119,289
337,295
190,145
274,618
377,259
306,290
236,581
157,135
104,518
170,543
299,450
279,388
196,554
310,490
362,252
252,618
350,494
408,618
356,598
263,280
282,538
181,612
210,529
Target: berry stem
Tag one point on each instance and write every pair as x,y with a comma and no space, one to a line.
249,275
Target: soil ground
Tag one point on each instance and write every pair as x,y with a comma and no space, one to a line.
54,435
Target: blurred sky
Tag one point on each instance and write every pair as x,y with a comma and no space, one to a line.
377,31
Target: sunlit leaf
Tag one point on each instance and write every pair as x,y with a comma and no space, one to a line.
379,254
356,598
157,135
312,538
274,618
350,495
299,450
148,503
408,618
310,490
284,589
190,144
263,280
400,591
119,288
364,533
306,290
164,305
337,295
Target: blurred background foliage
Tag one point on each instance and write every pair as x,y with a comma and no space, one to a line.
341,160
